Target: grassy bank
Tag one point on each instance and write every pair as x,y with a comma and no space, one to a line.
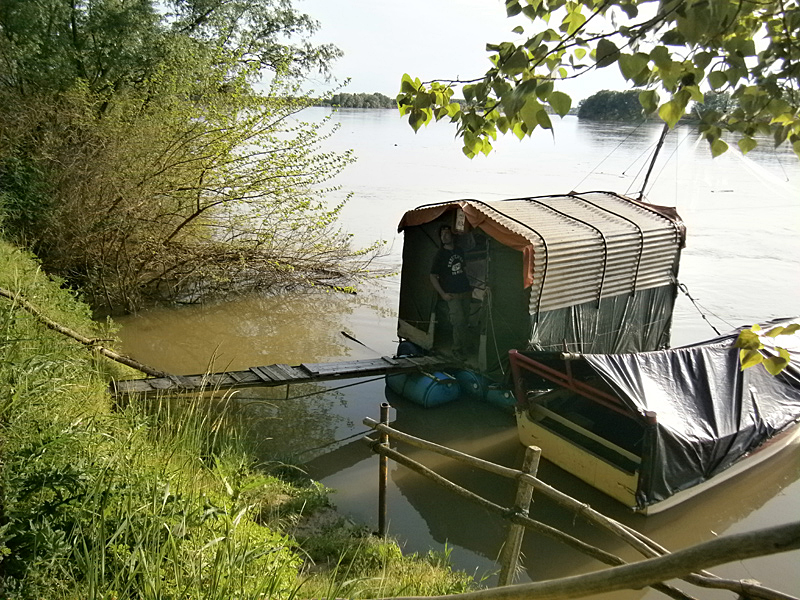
159,499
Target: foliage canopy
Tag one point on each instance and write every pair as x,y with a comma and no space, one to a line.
139,159
672,50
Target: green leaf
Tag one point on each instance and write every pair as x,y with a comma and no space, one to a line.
718,147
543,90
502,124
469,92
513,8
796,148
418,118
630,65
702,59
573,21
776,331
749,358
695,93
606,53
518,29
749,340
560,102
580,53
671,112
649,101
529,113
661,57
776,364
544,119
717,79
516,63
746,144
408,85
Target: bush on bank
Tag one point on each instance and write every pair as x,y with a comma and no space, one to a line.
158,499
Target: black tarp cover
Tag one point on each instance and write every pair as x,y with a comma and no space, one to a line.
709,412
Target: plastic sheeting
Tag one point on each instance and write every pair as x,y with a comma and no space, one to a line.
709,413
627,323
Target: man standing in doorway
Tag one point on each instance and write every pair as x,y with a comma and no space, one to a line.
449,279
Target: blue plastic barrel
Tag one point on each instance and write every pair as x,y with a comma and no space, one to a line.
472,385
500,396
425,390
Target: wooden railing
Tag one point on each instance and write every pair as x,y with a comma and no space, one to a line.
660,565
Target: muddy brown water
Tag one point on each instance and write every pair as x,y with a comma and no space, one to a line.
741,264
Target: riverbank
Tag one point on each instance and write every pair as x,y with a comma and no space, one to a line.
162,499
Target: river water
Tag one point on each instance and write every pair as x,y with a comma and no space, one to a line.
741,265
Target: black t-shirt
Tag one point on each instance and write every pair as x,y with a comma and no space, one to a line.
449,266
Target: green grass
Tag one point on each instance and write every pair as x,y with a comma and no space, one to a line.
157,499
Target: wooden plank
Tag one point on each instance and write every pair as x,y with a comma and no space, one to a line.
312,369
160,383
281,374
240,376
182,382
263,374
270,373
289,373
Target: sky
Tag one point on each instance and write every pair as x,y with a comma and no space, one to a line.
429,39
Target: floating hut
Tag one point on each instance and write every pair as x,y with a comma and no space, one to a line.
590,272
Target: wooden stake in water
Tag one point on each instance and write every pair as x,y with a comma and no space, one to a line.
509,556
383,471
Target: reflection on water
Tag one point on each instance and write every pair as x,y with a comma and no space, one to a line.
741,263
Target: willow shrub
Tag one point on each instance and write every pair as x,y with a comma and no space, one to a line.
155,499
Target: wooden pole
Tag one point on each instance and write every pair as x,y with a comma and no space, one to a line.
383,472
660,143
90,343
509,556
646,546
538,527
721,550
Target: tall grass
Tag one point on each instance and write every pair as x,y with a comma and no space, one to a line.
158,499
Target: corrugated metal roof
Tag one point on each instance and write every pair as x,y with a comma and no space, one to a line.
590,246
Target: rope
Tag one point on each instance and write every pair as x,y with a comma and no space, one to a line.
494,335
591,172
682,287
344,439
341,387
666,162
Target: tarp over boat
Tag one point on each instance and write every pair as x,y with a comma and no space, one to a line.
709,413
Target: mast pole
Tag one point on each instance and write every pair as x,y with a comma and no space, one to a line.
653,162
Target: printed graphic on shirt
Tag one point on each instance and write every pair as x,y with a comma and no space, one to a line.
455,265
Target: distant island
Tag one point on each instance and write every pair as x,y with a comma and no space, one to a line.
344,100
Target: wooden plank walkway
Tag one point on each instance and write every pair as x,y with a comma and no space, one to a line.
273,375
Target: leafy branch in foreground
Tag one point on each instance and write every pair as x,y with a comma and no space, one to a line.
671,50
751,344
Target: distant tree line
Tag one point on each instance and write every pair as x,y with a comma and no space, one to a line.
608,105
344,100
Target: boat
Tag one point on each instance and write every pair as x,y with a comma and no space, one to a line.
563,284
653,429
